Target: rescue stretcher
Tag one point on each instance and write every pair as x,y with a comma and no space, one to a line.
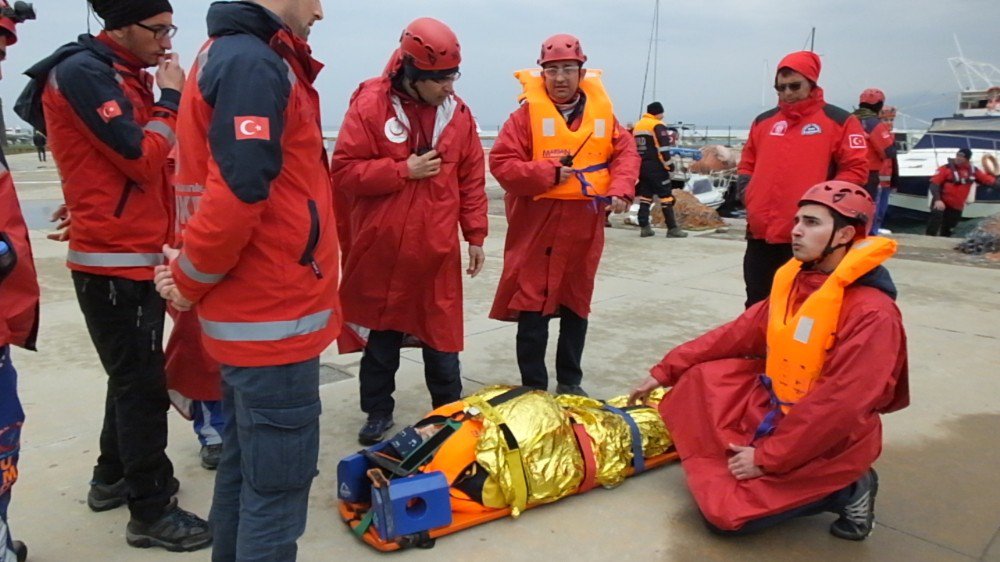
494,454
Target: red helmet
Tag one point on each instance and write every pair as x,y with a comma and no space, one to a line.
848,200
7,26
872,96
561,47
431,45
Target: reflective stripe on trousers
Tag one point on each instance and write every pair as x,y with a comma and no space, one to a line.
99,259
266,331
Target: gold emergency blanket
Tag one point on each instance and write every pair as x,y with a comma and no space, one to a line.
553,465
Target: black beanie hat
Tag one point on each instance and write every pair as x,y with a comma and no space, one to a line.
655,108
967,152
120,13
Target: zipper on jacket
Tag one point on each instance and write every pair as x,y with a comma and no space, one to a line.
308,256
126,193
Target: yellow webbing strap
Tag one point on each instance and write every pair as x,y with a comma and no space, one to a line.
512,456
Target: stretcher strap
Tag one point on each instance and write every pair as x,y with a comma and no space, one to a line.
768,424
589,462
427,449
516,468
390,519
638,460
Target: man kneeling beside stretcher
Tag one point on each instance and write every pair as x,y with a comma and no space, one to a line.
776,414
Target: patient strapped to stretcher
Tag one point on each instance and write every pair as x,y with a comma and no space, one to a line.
501,450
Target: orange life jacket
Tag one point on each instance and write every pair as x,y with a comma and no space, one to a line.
797,343
552,139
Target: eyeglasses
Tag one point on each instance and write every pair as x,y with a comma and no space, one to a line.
160,31
794,87
553,71
448,79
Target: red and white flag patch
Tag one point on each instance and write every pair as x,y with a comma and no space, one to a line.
109,110
252,127
856,141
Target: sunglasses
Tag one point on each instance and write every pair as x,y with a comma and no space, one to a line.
793,87
160,31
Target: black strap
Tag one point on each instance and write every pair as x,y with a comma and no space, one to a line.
427,448
384,463
509,395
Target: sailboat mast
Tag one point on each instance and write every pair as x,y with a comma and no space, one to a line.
812,40
656,44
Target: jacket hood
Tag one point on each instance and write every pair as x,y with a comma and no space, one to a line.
29,103
880,279
232,18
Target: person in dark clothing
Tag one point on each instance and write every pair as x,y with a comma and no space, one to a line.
39,141
652,140
110,139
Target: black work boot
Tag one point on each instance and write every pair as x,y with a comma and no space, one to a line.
646,232
176,530
673,229
103,497
573,389
374,429
210,455
20,551
857,518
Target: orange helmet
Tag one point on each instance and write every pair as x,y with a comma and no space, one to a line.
562,46
430,45
846,199
872,96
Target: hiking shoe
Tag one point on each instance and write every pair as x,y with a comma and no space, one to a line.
373,430
646,232
857,518
176,530
210,455
574,389
20,551
676,232
103,497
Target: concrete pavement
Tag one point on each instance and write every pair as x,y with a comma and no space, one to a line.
940,491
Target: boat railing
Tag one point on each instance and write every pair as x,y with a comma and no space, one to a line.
945,149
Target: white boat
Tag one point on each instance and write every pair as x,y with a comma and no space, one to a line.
975,125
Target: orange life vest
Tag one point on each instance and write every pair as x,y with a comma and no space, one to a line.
552,139
797,343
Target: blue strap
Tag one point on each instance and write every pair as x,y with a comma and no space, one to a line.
638,460
768,424
585,186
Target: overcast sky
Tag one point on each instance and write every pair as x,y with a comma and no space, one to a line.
712,55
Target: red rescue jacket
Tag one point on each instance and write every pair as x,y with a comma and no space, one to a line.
260,256
957,181
791,148
401,253
110,142
19,290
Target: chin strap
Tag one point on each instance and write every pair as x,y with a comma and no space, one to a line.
829,249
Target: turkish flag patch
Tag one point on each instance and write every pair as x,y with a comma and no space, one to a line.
251,127
109,110
856,141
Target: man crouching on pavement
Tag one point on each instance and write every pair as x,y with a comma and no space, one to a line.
776,414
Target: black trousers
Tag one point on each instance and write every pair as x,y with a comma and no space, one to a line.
654,179
533,339
830,504
379,364
941,223
760,262
125,321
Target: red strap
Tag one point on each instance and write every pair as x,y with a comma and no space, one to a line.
589,462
